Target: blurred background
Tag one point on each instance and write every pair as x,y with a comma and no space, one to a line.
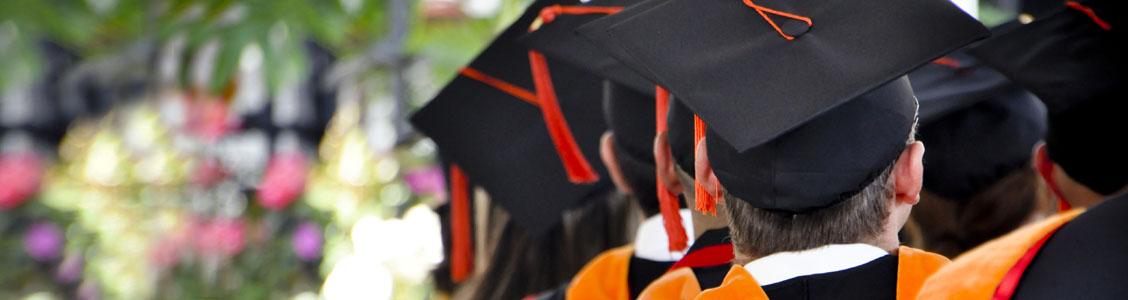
224,149
228,149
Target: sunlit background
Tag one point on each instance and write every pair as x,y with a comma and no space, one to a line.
239,149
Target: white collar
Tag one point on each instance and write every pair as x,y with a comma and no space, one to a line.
782,266
651,242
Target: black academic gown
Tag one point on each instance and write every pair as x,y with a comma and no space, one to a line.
874,280
1086,259
711,276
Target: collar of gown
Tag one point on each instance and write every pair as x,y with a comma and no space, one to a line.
782,266
651,242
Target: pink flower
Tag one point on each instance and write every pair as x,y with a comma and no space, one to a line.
208,172
283,181
20,177
70,270
223,237
307,241
44,241
427,181
209,119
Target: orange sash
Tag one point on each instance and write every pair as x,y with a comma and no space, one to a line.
913,267
605,277
977,273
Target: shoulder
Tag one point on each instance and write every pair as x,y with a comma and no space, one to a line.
976,274
1081,260
604,277
914,266
738,284
677,284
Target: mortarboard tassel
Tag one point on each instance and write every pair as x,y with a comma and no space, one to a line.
667,200
764,11
462,248
575,164
706,201
1092,14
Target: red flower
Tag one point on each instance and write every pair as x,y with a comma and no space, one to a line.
20,177
283,181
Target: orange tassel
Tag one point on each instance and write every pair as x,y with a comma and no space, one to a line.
667,200
548,14
575,164
462,247
706,201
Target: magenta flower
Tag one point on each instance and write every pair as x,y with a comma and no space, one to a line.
307,241
44,241
427,181
283,181
20,177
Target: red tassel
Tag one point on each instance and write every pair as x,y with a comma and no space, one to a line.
668,201
575,164
462,247
706,201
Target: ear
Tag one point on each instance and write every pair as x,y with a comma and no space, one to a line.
664,164
1043,164
908,174
703,170
611,161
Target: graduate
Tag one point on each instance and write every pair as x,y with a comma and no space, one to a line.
709,259
528,135
1073,61
980,129
623,272
808,133
710,251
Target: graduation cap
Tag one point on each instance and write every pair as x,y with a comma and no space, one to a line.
805,101
490,121
1074,61
978,126
557,39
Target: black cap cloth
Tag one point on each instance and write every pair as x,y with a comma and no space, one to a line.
485,122
978,126
1074,61
558,39
805,102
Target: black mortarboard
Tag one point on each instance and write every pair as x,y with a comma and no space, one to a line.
557,39
1074,61
595,32
499,138
978,126
680,120
805,101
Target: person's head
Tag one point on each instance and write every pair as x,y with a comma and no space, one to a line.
1072,59
980,128
626,146
674,159
871,213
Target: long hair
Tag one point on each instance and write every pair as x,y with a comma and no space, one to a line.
518,265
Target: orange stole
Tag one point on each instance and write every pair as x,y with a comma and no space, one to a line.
605,277
977,273
914,266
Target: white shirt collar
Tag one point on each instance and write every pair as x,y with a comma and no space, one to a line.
782,266
651,242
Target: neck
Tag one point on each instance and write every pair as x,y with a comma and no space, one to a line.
703,222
